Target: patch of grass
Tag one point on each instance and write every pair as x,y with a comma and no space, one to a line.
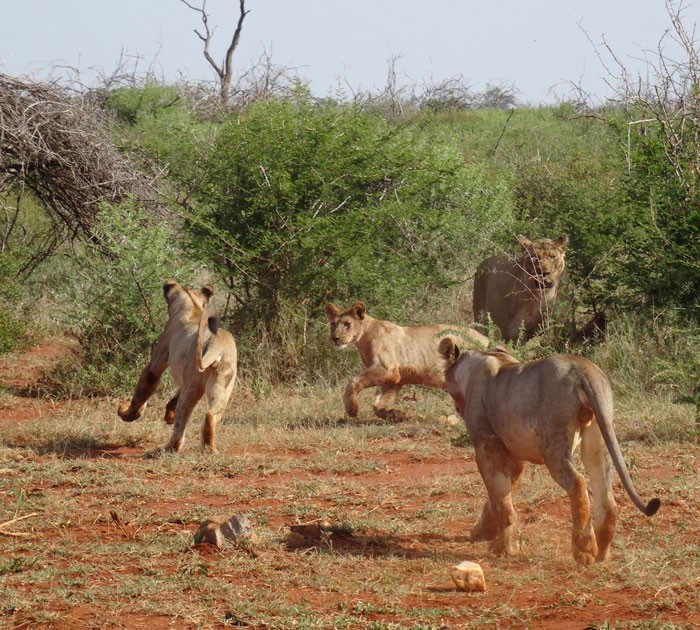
400,500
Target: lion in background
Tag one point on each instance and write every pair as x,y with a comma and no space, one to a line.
202,358
516,293
393,355
539,412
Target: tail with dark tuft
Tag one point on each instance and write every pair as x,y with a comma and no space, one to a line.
652,507
214,323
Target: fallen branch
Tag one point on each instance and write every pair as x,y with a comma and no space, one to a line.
16,520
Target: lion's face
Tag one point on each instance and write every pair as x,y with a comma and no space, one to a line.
346,327
186,300
543,260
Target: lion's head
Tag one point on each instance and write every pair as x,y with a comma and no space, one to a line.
182,300
459,364
346,326
543,261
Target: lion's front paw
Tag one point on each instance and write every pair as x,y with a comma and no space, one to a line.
583,557
126,413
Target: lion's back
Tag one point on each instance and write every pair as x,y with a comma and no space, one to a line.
183,345
415,350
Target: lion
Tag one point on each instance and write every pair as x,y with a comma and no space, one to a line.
202,358
393,355
539,412
517,293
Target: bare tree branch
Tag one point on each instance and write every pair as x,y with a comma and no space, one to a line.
223,70
56,145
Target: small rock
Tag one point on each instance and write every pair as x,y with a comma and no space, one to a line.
236,526
468,576
450,420
218,533
294,540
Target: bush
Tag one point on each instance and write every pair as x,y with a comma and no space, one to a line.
655,358
663,265
301,204
116,298
13,324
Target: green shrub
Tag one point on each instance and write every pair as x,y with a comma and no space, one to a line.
116,298
300,204
663,265
658,355
132,105
13,317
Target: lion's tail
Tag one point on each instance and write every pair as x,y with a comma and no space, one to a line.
603,413
203,360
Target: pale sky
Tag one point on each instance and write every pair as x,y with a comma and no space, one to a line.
540,46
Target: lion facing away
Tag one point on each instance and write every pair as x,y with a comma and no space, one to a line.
203,361
393,355
517,293
539,412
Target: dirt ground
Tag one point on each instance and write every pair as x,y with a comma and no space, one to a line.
394,577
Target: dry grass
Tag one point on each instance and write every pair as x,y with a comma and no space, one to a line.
401,498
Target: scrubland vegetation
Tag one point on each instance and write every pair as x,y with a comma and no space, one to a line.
284,204
290,203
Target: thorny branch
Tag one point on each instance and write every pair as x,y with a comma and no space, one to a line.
55,145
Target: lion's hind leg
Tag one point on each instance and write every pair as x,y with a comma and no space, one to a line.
487,526
218,391
583,540
595,458
501,474
187,401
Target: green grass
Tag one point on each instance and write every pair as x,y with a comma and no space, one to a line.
401,497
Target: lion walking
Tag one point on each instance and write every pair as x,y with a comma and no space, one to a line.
202,358
539,412
393,355
517,293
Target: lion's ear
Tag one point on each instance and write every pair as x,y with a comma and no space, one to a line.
359,310
448,350
331,311
562,242
208,291
168,286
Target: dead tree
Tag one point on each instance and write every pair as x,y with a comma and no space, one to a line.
224,70
56,146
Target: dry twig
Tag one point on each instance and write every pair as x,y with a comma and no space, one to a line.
56,145
16,520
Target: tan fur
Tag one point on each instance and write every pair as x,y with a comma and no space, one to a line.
518,293
538,412
393,355
202,359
